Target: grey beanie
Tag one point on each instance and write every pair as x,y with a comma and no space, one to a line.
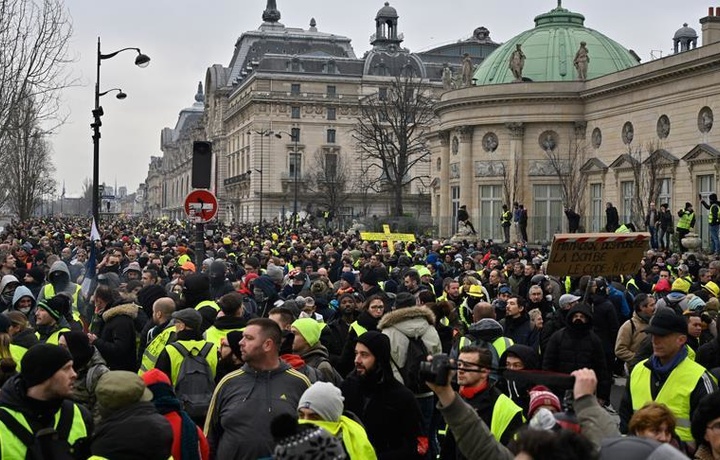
325,399
637,448
275,273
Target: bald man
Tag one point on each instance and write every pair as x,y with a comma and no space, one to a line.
159,335
483,310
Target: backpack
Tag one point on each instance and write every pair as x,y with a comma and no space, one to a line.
195,383
416,353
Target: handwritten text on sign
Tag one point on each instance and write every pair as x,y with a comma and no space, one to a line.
595,254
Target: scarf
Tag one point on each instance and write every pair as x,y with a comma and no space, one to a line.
166,402
663,371
353,435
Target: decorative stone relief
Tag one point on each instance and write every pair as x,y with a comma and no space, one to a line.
548,141
628,133
439,163
489,168
455,171
596,138
546,168
580,129
663,127
705,120
516,129
455,145
490,142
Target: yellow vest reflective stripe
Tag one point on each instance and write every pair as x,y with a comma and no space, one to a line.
359,330
501,344
353,436
12,447
194,347
54,337
154,348
445,321
208,303
215,335
17,352
503,413
622,229
506,217
675,393
686,220
49,293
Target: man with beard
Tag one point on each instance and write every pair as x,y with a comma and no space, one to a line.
558,319
38,400
632,332
386,408
245,401
576,347
451,291
24,302
368,320
517,323
339,327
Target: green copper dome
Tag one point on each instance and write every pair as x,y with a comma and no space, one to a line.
550,50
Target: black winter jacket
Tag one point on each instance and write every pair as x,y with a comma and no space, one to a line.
116,342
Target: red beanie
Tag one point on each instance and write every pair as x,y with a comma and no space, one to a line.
542,396
154,376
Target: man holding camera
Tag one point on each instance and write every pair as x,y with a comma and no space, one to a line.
499,412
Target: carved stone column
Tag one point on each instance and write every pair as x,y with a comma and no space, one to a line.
516,171
445,217
467,191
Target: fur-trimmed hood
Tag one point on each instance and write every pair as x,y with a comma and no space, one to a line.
411,321
127,309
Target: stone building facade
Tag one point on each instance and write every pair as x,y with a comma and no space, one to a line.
529,139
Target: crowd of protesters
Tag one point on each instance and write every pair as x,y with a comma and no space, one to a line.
317,344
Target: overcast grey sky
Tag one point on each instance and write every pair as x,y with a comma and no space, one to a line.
184,37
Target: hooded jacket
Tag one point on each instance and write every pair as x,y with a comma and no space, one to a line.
367,321
243,405
576,347
403,324
318,357
117,340
518,388
6,304
219,285
486,330
59,277
21,292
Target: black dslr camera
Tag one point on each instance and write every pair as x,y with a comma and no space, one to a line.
437,370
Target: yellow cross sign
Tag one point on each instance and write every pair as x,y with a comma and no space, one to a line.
387,236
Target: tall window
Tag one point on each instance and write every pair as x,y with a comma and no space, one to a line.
665,195
295,112
548,218
596,206
295,164
295,134
627,195
295,89
382,93
331,114
331,91
455,201
330,136
705,186
491,201
331,163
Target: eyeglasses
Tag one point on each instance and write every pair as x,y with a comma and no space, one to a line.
467,365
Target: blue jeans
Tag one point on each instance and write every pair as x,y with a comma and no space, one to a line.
653,236
714,238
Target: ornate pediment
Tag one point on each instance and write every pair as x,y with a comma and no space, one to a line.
702,153
593,165
662,157
624,161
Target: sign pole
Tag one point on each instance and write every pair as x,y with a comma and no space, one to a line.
199,246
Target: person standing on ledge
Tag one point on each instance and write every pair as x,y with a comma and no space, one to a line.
464,217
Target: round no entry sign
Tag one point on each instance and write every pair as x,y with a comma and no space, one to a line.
201,205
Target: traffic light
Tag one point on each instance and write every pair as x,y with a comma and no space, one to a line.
201,164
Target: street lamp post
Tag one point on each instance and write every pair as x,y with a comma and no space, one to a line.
142,60
263,133
296,166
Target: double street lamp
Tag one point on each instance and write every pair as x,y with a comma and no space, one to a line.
142,60
296,166
263,134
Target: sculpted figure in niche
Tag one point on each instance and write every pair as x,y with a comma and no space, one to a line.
467,70
582,58
447,78
517,62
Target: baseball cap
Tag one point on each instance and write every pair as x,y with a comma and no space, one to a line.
567,299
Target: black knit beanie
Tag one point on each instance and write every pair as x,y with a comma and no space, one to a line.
79,347
233,339
41,362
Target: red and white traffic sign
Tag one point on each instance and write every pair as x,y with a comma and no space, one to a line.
201,206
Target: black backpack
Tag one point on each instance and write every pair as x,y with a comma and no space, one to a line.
195,383
416,353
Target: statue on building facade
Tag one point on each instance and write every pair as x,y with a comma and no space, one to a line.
467,70
517,62
582,58
447,78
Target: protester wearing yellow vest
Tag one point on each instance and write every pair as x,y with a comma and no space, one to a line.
187,327
49,323
499,412
669,376
505,223
47,375
231,306
197,295
160,335
322,405
59,283
685,224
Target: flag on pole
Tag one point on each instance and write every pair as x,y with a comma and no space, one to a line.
91,264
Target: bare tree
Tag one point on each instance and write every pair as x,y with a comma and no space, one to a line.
565,165
646,165
87,190
329,180
391,133
27,164
511,182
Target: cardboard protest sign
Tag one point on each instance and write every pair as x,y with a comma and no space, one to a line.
597,254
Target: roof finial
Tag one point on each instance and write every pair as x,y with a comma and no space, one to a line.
199,96
271,13
559,4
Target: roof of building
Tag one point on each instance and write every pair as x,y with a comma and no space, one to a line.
686,32
550,49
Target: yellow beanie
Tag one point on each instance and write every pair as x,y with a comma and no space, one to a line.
310,329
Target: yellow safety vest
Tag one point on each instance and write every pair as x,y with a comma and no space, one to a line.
17,352
714,214
154,348
215,335
13,447
353,436
675,393
54,337
506,217
49,293
208,303
685,220
193,347
500,344
622,229
359,330
503,413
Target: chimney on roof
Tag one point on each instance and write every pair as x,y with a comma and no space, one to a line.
711,26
